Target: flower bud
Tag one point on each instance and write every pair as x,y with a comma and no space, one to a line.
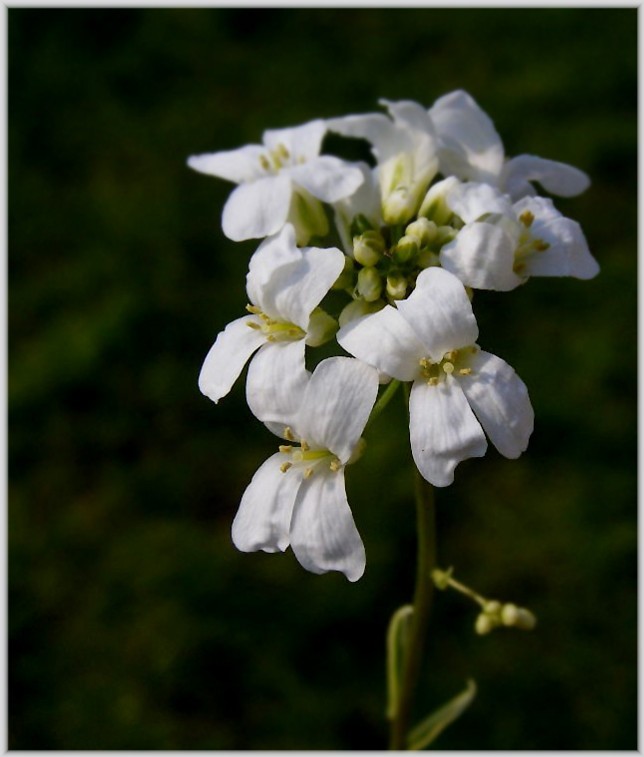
434,207
307,216
360,224
441,578
406,248
322,327
423,230
368,247
484,624
399,206
444,234
396,286
427,259
358,309
345,279
369,284
492,607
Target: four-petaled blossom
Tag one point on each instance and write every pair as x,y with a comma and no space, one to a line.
297,497
281,180
405,149
503,244
285,284
471,149
429,339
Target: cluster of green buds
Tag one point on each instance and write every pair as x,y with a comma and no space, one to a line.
386,261
494,614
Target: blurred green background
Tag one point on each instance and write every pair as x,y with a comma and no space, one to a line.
134,623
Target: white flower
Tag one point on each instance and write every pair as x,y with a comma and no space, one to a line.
298,495
503,244
405,149
365,201
285,284
278,181
429,339
471,149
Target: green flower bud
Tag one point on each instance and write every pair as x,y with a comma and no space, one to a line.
492,608
346,278
484,624
444,234
358,309
423,230
396,286
307,216
368,247
427,259
322,327
441,578
434,207
369,284
398,207
406,248
360,224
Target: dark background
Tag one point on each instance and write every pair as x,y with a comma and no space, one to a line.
134,623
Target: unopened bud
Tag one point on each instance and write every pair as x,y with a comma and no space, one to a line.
358,309
444,234
399,206
406,248
360,224
346,278
427,259
369,284
423,230
396,286
492,607
368,247
441,578
322,327
434,207
484,624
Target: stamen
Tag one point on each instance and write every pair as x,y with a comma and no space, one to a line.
305,446
308,473
540,245
253,325
285,448
285,466
526,218
264,162
465,371
254,309
288,434
335,465
433,381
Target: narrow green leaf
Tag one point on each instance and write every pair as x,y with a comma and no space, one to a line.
397,641
426,731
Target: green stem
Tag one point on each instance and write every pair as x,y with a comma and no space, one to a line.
383,401
423,593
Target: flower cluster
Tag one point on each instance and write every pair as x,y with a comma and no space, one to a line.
439,213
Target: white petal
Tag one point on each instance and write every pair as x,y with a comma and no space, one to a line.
442,429
323,533
440,313
337,403
386,341
501,403
482,256
294,291
327,178
257,209
410,115
302,142
264,516
228,356
238,165
568,253
365,200
374,127
557,178
276,382
472,200
273,253
470,147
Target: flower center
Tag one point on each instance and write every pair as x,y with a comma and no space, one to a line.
275,331
528,245
453,362
272,161
305,457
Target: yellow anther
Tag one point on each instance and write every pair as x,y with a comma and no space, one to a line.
264,162
526,218
465,371
271,338
448,367
540,245
282,152
308,473
305,446
425,362
451,355
288,434
335,465
285,448
285,466
254,310
253,325
432,381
